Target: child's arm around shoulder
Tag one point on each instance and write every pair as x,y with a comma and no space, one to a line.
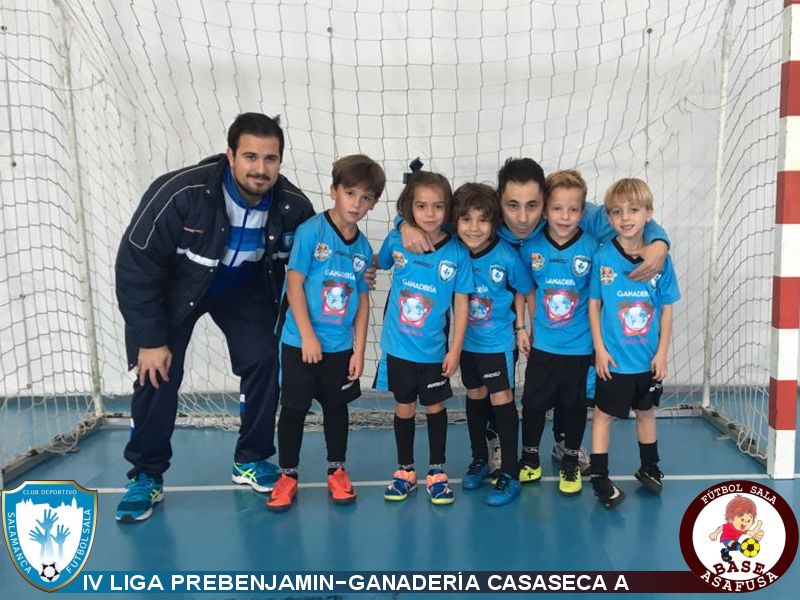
384,259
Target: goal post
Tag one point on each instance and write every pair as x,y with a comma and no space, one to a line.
698,98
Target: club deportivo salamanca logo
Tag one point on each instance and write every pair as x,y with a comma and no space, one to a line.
739,536
49,529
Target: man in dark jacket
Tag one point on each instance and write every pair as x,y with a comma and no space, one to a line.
211,238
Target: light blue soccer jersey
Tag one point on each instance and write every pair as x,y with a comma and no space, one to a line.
420,297
631,313
334,272
498,272
561,276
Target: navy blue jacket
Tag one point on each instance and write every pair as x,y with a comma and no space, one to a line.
170,251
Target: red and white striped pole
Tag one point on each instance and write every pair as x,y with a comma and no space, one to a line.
786,274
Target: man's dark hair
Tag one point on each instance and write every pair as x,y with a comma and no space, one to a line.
256,124
520,170
359,170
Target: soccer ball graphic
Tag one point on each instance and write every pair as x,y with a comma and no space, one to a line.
750,548
49,572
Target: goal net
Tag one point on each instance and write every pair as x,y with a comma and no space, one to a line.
101,97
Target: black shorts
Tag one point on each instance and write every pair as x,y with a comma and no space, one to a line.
410,380
326,380
621,393
492,370
555,380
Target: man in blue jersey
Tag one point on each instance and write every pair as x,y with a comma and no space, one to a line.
211,238
324,334
560,260
487,361
631,324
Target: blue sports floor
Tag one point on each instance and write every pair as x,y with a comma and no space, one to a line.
206,522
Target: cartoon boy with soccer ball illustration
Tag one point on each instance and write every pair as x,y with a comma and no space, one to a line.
739,514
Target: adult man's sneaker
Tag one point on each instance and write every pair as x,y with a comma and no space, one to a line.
650,477
477,472
495,456
529,469
260,475
403,483
607,493
505,491
282,494
569,479
340,488
438,488
559,449
141,497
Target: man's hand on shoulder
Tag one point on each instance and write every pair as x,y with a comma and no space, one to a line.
152,362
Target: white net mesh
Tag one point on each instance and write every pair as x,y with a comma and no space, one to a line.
611,88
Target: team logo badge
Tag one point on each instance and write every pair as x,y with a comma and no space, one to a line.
335,296
560,304
322,252
607,275
480,308
497,273
288,240
414,308
635,317
49,529
537,261
580,265
654,281
446,270
359,262
738,536
399,259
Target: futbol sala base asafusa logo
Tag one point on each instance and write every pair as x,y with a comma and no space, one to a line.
739,536
49,529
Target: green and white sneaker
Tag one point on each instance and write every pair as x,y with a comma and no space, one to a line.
261,475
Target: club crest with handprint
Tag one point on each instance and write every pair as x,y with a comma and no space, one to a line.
49,529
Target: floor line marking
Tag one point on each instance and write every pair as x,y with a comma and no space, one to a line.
357,484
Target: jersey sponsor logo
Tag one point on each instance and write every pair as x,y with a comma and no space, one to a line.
447,270
359,262
335,297
492,375
635,317
581,265
537,261
414,308
480,308
322,251
607,275
399,259
654,281
497,273
560,304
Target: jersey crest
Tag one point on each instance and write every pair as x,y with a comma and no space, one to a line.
497,273
581,265
399,259
607,275
322,251
654,281
537,261
359,262
447,270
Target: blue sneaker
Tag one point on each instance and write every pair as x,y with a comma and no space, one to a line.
505,491
438,488
477,471
261,475
403,483
142,496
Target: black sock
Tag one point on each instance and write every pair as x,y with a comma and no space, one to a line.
559,427
477,415
290,436
648,453
404,436
491,419
599,464
437,436
336,424
508,431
